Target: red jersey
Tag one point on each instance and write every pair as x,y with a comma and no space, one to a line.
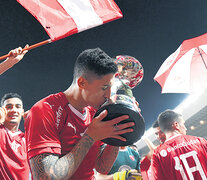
54,126
145,168
13,155
180,157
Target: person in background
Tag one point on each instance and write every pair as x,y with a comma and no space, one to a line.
15,56
13,155
146,161
126,166
181,156
62,137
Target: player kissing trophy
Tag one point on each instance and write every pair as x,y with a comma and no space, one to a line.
130,74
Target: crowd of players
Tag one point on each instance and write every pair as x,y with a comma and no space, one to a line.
62,140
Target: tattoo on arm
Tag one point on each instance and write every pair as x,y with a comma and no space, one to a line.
51,166
106,159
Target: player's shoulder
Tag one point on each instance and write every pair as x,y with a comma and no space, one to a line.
160,147
51,101
190,137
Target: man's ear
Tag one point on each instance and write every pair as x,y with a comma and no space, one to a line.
22,112
2,115
82,82
175,125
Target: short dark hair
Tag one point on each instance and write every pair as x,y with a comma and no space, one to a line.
8,96
155,124
167,118
94,61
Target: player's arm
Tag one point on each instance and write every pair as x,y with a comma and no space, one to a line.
156,173
106,158
145,164
50,166
15,56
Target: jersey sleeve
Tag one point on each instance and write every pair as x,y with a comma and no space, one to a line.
203,142
40,129
145,164
156,173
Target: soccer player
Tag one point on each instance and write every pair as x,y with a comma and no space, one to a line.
181,156
63,138
146,161
15,56
13,155
158,132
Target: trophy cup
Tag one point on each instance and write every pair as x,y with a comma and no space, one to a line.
130,74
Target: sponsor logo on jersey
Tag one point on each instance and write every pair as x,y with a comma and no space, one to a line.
183,144
58,115
70,125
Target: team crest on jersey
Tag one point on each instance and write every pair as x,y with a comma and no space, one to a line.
15,146
163,153
132,157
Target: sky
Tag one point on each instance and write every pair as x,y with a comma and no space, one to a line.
149,31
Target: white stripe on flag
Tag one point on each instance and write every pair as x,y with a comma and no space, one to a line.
82,13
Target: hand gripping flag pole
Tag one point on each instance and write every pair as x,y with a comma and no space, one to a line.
62,18
29,48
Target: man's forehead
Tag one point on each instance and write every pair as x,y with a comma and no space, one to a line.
12,101
106,79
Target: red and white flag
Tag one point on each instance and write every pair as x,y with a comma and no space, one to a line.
61,18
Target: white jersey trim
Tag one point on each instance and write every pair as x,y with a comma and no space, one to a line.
172,137
75,111
12,133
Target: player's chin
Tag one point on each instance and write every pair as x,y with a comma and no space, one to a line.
14,121
97,106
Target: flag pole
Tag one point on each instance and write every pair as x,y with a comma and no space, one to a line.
29,48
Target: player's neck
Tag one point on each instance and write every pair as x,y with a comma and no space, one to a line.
11,127
171,134
74,98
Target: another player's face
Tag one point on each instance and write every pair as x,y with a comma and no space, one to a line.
159,135
98,90
14,110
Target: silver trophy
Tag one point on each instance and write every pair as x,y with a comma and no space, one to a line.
130,74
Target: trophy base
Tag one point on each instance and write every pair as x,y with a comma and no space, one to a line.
116,110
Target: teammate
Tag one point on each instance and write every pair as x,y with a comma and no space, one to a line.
13,155
181,157
61,134
146,161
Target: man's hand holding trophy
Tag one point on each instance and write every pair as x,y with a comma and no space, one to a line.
130,74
